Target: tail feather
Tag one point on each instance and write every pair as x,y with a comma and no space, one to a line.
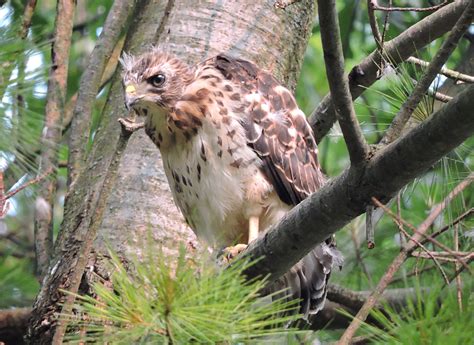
307,280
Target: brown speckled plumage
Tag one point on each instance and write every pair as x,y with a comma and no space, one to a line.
235,146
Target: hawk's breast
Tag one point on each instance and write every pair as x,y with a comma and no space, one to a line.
210,175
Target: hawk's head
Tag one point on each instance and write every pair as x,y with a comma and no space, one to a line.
154,80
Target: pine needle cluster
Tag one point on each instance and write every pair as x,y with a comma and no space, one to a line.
164,300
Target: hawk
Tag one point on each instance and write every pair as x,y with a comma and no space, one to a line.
237,151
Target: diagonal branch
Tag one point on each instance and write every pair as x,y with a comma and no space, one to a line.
398,261
424,235
373,25
347,196
424,83
398,49
91,82
339,83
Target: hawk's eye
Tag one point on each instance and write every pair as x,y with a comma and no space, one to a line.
157,80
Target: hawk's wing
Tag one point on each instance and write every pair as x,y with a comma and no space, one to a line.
276,129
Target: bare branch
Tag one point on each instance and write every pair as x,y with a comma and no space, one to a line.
91,82
457,267
445,71
27,16
424,83
440,96
57,86
369,228
408,9
105,79
338,82
347,196
459,257
399,49
398,261
459,219
374,26
27,184
400,223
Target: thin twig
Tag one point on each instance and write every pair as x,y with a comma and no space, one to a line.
440,96
459,219
426,251
374,26
409,9
57,87
435,94
457,267
401,234
385,22
369,227
339,83
358,255
397,263
460,270
415,272
445,71
90,84
440,256
27,184
423,85
470,178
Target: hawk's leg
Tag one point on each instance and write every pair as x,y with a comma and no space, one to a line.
229,253
253,228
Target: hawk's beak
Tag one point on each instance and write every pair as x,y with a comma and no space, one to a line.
131,96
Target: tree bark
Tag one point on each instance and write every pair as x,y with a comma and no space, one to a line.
274,39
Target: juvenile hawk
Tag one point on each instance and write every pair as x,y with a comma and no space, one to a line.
237,151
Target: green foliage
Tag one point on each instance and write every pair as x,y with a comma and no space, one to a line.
166,300
434,319
18,284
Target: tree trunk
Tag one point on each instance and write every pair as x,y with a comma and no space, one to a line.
140,200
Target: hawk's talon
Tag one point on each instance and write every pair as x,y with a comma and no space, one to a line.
129,124
230,253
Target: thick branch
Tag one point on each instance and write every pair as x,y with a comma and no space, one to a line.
399,49
339,83
424,83
57,87
345,197
91,82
